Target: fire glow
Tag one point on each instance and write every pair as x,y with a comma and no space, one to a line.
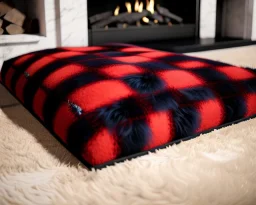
128,7
150,6
138,7
116,12
136,13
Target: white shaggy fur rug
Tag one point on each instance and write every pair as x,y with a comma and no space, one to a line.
215,168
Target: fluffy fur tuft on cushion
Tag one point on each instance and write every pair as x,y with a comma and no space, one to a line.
112,102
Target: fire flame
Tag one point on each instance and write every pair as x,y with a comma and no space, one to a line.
138,7
128,7
145,19
150,6
116,12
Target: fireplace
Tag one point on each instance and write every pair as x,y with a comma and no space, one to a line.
194,25
138,21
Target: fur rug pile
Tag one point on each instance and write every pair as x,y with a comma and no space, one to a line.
215,168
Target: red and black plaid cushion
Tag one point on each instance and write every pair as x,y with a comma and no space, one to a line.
109,102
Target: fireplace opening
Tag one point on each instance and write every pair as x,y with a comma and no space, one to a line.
130,21
138,13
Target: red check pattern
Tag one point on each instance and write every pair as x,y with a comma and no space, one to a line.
113,101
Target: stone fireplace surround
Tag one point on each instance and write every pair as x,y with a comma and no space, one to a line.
64,23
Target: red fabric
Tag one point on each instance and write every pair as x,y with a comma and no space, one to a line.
102,148
63,120
191,64
9,75
236,73
131,59
180,79
162,129
155,54
41,63
250,101
99,94
120,70
20,87
38,102
23,59
62,74
211,113
83,49
135,49
113,101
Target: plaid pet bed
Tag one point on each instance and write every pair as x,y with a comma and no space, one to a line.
115,101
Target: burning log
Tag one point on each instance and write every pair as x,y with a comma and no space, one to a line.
99,17
133,17
146,21
156,16
105,22
151,23
128,18
113,19
165,12
168,21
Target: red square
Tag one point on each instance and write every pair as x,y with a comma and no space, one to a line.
191,64
66,54
84,49
101,148
136,49
251,104
131,59
162,129
62,74
211,114
19,89
236,73
8,77
99,94
156,54
38,102
63,120
120,70
39,64
23,59
180,79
